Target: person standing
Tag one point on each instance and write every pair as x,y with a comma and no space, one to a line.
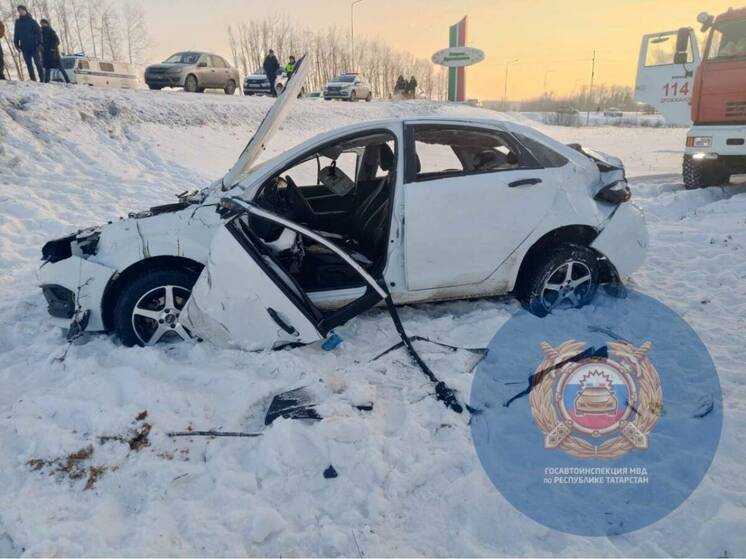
27,39
2,60
412,87
50,51
271,66
290,67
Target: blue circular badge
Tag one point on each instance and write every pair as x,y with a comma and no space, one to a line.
597,421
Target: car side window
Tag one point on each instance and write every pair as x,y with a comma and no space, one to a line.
205,59
83,65
545,156
443,151
217,62
106,66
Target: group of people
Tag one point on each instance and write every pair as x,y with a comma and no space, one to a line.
273,69
406,88
38,44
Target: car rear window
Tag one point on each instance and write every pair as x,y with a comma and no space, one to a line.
546,157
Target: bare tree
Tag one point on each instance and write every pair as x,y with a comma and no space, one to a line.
135,30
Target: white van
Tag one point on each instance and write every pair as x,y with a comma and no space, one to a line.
84,70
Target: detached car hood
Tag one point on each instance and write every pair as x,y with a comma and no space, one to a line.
268,127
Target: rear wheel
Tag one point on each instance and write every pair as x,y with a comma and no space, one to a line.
568,277
148,309
230,88
190,84
704,173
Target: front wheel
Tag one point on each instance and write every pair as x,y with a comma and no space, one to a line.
230,88
353,97
190,84
703,174
568,277
148,309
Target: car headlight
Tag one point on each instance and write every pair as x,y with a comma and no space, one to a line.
699,142
615,193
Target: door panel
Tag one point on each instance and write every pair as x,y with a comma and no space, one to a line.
661,81
459,230
236,302
245,298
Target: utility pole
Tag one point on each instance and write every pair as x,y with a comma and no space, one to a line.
352,34
505,90
546,92
590,91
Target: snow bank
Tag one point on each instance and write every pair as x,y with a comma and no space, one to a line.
409,480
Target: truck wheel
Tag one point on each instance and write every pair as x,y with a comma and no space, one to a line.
230,88
703,174
568,276
148,309
190,84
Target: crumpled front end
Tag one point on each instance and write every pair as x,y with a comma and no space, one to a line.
73,286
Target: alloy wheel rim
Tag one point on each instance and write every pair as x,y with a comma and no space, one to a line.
570,282
155,316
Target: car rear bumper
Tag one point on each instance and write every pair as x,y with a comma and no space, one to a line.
71,287
624,239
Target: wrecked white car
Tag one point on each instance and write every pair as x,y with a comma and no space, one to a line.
281,252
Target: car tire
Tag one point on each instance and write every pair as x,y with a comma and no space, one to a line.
353,96
702,175
147,295
369,97
549,284
230,88
190,84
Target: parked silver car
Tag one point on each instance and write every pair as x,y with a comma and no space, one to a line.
195,72
349,87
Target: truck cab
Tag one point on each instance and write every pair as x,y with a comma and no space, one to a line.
713,87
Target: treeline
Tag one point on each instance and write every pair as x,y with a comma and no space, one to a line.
112,29
602,97
331,54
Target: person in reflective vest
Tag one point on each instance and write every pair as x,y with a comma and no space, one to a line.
290,66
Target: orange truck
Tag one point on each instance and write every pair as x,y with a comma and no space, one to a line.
708,91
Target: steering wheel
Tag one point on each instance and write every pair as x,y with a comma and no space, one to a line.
298,202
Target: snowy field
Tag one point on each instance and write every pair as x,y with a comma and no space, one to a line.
409,479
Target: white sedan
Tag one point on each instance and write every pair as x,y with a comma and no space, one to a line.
405,210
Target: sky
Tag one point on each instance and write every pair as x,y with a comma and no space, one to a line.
553,40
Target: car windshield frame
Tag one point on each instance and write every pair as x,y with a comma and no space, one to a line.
181,58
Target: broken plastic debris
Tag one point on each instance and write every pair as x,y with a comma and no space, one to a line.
332,342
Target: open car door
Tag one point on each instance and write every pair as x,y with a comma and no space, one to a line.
269,126
244,298
665,73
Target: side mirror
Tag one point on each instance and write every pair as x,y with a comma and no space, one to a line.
682,46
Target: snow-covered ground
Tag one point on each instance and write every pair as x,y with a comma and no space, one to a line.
409,479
